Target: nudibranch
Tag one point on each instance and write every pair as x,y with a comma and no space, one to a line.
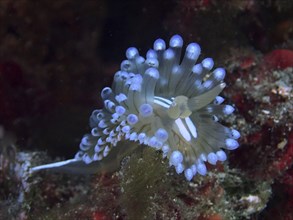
165,101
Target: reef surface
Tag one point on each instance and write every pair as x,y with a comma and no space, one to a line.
56,57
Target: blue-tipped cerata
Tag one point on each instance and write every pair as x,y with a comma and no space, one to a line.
166,102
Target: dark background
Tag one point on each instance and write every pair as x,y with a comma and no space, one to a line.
56,56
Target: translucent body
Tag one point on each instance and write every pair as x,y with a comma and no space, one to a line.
166,104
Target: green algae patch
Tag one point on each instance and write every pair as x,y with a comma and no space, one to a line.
143,177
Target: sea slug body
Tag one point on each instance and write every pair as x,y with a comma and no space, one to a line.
167,102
